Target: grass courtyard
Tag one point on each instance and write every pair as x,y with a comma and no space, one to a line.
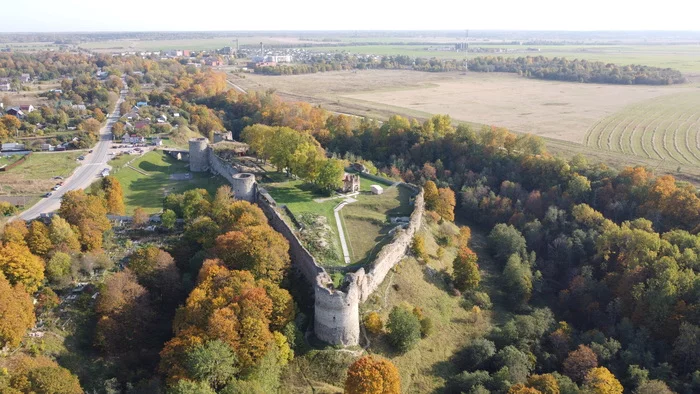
365,221
149,181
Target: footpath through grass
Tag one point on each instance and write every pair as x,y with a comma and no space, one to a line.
147,191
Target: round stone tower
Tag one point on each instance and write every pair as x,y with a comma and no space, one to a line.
243,186
199,155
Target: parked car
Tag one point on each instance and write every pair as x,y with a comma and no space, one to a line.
56,187
57,177
48,194
90,151
81,158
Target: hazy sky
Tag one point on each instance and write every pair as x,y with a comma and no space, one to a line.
199,15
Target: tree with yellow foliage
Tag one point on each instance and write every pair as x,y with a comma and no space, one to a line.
430,195
445,204
38,238
545,383
114,196
20,266
522,389
465,270
373,323
15,232
601,381
372,375
88,214
62,235
16,313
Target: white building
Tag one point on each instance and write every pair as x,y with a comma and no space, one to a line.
376,189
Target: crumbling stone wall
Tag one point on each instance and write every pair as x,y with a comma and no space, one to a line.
336,312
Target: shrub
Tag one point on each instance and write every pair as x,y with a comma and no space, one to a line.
426,327
418,247
404,329
373,323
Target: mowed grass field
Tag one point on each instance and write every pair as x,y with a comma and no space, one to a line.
33,177
664,128
150,181
366,221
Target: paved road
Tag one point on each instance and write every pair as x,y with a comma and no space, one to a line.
89,169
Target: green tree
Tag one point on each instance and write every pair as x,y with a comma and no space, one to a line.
330,175
404,329
53,380
189,387
518,280
213,362
58,269
504,241
62,235
168,219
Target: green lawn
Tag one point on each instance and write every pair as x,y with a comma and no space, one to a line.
366,222
147,191
299,198
119,161
5,160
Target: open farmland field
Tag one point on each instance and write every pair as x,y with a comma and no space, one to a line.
665,128
559,110
33,177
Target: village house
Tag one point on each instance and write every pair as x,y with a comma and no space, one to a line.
16,112
142,124
5,87
141,104
79,107
27,108
25,78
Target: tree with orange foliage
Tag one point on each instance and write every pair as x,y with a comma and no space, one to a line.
258,249
373,323
372,375
445,204
126,316
20,266
579,362
88,214
16,313
601,381
465,270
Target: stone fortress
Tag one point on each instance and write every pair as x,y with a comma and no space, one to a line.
336,311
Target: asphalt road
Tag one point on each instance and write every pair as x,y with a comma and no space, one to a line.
88,171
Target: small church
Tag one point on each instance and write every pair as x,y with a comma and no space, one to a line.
351,183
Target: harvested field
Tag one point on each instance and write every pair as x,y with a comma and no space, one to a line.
664,128
559,110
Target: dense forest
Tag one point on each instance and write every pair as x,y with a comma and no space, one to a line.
561,69
539,67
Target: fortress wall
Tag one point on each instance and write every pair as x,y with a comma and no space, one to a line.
390,255
219,166
336,313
